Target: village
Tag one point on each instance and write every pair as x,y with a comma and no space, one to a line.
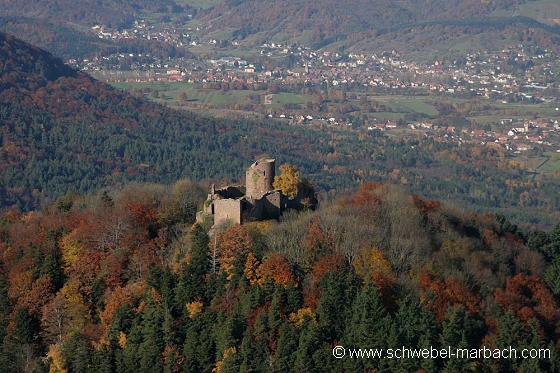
514,74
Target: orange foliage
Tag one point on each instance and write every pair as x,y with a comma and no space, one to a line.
251,267
40,294
527,296
449,292
425,206
314,242
144,214
117,298
365,194
385,285
173,357
235,240
332,262
278,269
19,282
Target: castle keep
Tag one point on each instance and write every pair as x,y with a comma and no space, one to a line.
259,178
256,200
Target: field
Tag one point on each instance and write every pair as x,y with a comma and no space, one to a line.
553,165
390,107
546,11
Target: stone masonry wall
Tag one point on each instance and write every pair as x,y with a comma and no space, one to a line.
227,209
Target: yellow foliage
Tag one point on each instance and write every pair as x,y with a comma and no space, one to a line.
141,307
71,245
57,360
194,308
288,181
122,340
371,261
227,353
155,295
303,313
263,227
250,270
75,306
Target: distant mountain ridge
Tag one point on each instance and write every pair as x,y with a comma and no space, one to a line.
113,13
373,25
330,20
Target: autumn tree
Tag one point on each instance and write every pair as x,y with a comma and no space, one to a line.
276,268
234,242
289,181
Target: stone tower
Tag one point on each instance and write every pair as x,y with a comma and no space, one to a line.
259,177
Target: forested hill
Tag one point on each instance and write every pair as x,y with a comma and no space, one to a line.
123,283
113,13
377,25
61,130
420,26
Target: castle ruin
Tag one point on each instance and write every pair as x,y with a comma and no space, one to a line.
256,200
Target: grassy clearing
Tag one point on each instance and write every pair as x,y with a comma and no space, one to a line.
531,163
417,105
289,98
541,10
397,106
553,165
201,4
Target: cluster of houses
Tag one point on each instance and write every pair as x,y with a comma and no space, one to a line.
485,74
515,136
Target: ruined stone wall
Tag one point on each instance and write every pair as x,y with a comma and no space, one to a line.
227,210
267,207
231,191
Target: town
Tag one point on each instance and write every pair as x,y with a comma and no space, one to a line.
514,75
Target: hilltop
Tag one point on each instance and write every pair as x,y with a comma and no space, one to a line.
123,283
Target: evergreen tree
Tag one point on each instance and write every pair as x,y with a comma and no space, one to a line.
330,311
308,344
199,348
510,332
406,330
288,337
454,336
5,308
151,348
78,354
52,261
367,328
430,335
274,319
191,282
534,342
128,360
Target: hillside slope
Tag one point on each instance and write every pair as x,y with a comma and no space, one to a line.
345,24
61,130
118,284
